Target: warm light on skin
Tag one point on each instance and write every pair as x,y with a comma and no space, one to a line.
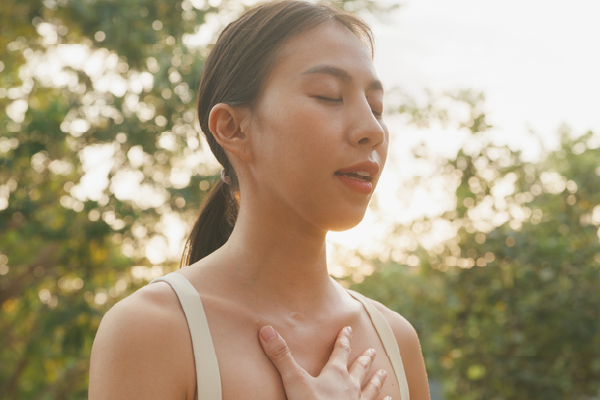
319,113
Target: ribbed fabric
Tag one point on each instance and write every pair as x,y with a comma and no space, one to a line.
207,367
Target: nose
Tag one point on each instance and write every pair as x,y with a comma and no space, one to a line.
366,129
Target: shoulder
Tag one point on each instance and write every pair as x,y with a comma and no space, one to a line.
147,317
410,351
143,348
405,333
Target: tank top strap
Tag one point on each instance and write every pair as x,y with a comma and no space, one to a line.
388,339
207,368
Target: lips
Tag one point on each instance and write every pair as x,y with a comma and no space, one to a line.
364,171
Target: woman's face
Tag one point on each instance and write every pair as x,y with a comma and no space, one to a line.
317,135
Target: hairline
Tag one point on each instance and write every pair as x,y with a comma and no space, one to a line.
277,55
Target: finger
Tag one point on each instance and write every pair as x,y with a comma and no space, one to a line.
341,349
278,352
361,366
373,387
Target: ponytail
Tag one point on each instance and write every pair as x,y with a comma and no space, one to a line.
214,224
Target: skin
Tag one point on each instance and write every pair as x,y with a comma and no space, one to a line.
273,269
336,381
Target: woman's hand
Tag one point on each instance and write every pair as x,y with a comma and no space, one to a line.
335,382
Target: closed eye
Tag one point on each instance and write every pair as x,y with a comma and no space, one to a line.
377,114
329,100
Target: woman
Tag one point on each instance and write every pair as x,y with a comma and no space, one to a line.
291,107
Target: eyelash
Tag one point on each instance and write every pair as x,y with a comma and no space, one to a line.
329,100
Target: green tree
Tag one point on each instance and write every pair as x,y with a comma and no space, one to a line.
507,307
100,157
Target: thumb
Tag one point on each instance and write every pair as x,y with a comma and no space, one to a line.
278,352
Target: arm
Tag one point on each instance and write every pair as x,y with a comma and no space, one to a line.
410,350
141,350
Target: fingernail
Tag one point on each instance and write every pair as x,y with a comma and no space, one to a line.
383,374
267,333
348,331
372,352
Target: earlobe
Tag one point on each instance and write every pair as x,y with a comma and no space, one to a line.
225,124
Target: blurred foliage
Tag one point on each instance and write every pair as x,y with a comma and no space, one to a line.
507,306
100,157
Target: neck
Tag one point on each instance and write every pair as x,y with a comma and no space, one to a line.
283,263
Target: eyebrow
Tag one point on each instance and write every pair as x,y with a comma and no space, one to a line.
340,74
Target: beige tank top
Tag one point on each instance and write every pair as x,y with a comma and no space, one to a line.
207,372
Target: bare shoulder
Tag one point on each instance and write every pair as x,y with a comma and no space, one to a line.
410,350
405,333
143,349
149,316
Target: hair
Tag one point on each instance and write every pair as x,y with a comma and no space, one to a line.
234,73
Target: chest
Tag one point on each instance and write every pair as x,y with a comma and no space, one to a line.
246,372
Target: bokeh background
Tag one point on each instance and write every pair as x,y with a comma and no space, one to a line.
484,231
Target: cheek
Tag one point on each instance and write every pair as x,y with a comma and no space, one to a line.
303,128
297,133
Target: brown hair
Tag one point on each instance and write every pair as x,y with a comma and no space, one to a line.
234,73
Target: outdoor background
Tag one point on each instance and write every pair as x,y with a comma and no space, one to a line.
484,231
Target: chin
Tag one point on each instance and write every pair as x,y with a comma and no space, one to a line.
336,217
345,224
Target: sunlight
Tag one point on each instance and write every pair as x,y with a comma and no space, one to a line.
97,161
413,68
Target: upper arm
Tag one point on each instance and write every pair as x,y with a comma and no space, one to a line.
143,350
410,350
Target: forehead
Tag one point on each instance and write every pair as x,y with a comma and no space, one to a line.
329,43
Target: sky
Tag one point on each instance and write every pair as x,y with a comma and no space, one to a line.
536,61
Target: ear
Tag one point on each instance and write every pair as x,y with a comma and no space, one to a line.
225,124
